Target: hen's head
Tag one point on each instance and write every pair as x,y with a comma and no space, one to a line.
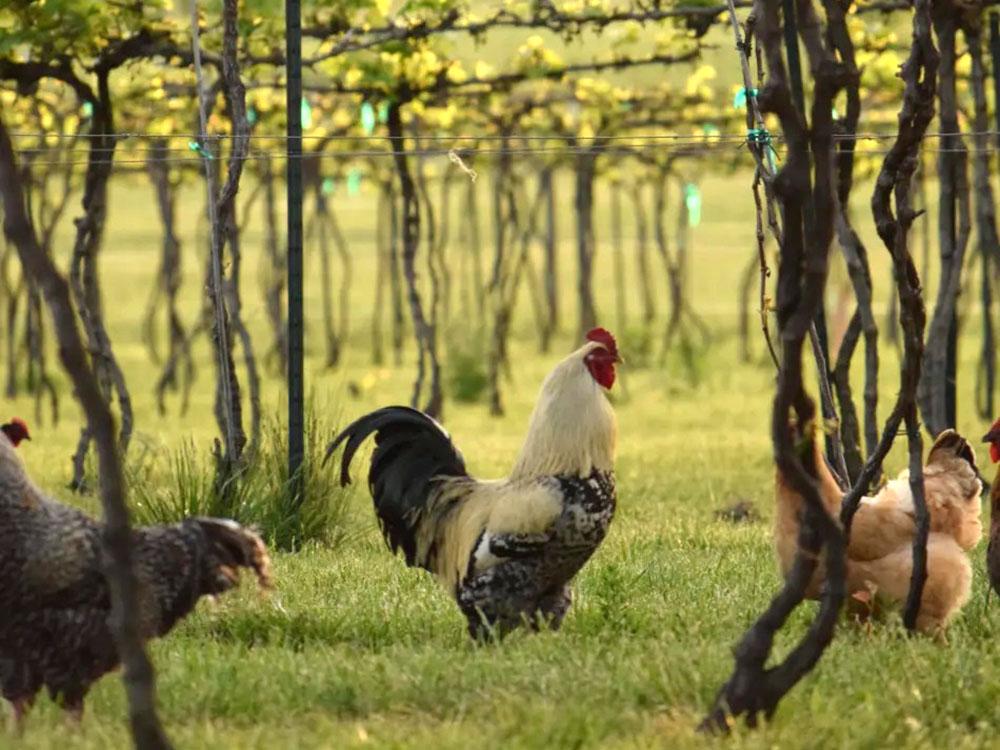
993,438
601,359
16,431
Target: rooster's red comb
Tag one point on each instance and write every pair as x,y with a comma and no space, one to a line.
603,337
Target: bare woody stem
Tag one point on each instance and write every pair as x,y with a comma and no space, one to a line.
147,733
919,74
753,688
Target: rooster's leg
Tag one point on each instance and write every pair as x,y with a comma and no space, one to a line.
502,598
73,711
74,715
554,606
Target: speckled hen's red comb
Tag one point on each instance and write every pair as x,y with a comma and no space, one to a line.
603,337
993,434
16,430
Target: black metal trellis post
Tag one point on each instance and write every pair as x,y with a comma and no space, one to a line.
995,57
296,391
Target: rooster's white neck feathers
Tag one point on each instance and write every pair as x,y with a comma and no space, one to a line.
573,429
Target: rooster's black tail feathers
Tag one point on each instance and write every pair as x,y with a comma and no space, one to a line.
411,450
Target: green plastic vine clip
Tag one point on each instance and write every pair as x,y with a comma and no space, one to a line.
87,109
383,112
692,201
199,149
762,137
328,185
251,115
307,113
368,118
354,182
740,100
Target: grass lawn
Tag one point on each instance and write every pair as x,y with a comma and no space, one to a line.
355,650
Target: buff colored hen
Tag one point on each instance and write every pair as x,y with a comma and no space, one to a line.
879,553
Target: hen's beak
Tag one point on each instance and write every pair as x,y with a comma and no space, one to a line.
992,436
618,360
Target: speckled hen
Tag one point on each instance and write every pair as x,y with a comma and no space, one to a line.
54,599
506,549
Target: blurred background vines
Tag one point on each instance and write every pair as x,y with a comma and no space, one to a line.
476,173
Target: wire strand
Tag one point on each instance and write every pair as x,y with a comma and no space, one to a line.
703,149
841,137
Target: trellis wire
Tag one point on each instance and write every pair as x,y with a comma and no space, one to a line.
484,137
702,149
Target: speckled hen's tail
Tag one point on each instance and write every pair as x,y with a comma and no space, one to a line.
231,547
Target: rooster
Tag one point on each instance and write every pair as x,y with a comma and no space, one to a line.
993,550
54,630
879,553
506,549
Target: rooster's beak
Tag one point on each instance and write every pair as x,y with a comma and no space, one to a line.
992,436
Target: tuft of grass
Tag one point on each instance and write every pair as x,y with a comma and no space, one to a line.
260,495
466,378
636,345
690,358
317,512
183,487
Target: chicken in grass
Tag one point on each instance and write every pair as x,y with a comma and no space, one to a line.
993,550
879,553
54,599
506,549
